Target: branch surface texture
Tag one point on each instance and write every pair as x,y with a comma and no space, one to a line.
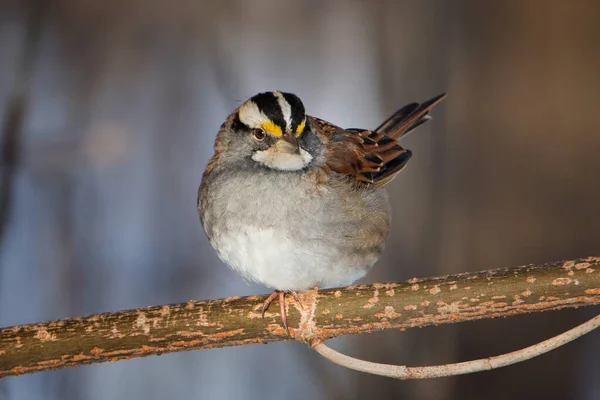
325,314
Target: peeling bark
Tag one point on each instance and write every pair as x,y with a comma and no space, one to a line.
327,313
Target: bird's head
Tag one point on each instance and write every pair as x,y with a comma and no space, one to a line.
271,129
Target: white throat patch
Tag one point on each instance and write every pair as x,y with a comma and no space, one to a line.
275,159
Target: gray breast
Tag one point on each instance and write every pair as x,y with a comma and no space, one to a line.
335,231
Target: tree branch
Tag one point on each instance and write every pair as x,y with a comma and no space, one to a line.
327,313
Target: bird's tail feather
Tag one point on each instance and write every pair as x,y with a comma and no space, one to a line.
409,117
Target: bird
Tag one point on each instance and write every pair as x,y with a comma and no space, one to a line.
292,202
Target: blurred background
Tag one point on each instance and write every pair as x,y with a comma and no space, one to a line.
108,112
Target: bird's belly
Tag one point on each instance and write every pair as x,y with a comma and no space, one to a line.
281,261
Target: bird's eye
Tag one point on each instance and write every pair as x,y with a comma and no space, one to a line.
259,134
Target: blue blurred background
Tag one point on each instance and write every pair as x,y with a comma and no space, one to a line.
108,111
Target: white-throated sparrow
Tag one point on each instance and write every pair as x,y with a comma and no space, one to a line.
292,202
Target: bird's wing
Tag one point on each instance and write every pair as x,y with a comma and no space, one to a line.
372,157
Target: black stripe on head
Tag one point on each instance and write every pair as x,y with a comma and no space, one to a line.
298,113
237,125
268,104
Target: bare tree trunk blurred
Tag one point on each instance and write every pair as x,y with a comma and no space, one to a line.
520,83
15,108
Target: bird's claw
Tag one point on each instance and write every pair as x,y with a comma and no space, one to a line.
281,294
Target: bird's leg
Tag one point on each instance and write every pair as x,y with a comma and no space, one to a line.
282,311
269,300
296,298
281,294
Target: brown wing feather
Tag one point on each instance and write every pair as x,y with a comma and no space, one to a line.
372,157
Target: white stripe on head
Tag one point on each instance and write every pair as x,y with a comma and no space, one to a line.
286,109
251,116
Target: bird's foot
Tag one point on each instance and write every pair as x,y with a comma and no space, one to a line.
281,294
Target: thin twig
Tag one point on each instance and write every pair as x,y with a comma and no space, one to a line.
484,364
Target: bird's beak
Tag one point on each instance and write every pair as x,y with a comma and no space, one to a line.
288,143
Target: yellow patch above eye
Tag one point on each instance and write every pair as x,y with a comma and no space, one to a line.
300,127
271,128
